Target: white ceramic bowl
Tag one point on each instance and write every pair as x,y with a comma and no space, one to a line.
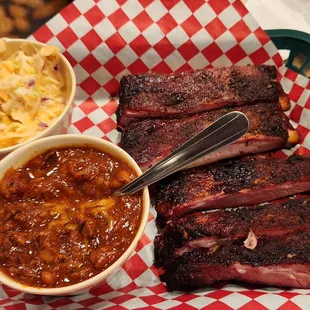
23,154
60,124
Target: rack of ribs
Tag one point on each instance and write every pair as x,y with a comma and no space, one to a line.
235,182
282,260
203,230
159,95
149,141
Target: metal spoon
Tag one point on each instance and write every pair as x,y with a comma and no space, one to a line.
226,130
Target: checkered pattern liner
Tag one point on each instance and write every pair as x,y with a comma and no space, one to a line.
104,40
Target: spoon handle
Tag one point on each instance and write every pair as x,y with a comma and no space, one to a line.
226,130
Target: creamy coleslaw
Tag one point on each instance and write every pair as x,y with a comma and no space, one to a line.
31,92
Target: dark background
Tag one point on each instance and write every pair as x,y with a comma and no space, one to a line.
20,18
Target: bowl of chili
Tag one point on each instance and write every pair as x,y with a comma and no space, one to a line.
62,232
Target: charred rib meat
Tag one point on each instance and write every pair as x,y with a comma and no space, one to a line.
232,183
282,261
149,141
209,229
178,94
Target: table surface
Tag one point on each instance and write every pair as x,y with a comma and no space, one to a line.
281,14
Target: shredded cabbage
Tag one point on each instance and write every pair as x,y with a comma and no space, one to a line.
26,80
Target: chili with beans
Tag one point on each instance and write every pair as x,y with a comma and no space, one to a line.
59,224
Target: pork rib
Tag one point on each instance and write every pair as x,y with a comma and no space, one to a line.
158,95
149,141
282,261
208,229
236,182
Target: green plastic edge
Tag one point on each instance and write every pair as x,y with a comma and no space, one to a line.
297,42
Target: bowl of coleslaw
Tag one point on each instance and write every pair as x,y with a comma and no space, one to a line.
37,88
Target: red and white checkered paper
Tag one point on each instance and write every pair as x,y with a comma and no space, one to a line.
105,40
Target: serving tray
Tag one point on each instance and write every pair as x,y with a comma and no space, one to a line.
107,39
